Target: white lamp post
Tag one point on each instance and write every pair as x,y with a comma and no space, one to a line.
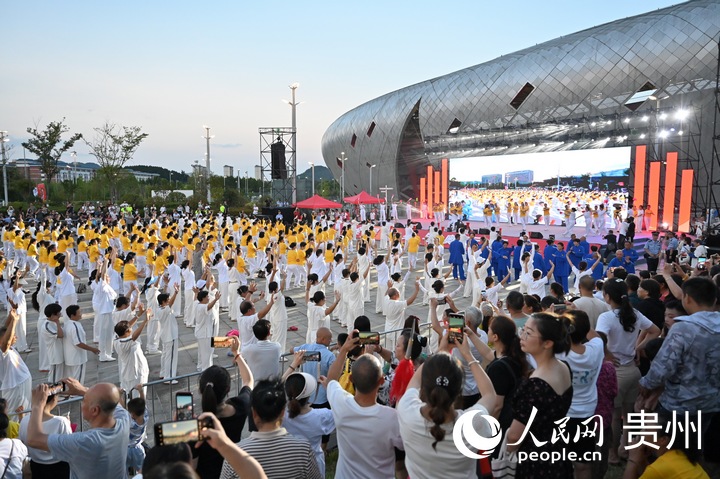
207,160
371,170
342,175
312,168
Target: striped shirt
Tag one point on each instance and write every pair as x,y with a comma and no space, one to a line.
280,454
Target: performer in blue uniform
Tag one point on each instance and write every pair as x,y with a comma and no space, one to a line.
562,267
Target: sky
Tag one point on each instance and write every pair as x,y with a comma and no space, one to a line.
543,165
171,67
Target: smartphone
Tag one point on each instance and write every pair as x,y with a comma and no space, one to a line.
184,406
560,308
175,432
456,323
369,338
701,261
56,388
312,355
220,342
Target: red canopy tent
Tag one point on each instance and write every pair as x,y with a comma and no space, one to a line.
316,203
363,198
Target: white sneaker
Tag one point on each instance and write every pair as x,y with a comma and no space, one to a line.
107,359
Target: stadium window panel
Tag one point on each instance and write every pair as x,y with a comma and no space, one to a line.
522,95
645,92
353,140
454,127
370,130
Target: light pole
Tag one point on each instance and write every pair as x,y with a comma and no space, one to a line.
293,105
74,157
238,181
371,170
312,168
207,160
3,139
171,184
342,175
246,183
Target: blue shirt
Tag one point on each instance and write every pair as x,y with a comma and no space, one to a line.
630,265
99,452
562,266
310,367
539,263
550,251
672,243
653,246
597,272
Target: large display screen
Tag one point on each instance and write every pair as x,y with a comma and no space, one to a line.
577,179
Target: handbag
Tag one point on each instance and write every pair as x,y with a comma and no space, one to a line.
504,466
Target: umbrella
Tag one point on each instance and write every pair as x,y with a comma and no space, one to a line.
363,198
316,203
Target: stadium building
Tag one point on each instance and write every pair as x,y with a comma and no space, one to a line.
645,80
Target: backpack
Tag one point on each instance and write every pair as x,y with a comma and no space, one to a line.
289,302
81,288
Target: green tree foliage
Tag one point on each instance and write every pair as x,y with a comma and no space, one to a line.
49,146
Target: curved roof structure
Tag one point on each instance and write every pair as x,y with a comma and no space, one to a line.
577,87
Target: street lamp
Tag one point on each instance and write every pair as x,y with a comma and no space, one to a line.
312,168
4,138
293,105
171,183
371,169
74,157
207,160
246,183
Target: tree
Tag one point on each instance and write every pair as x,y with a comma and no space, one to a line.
48,146
113,147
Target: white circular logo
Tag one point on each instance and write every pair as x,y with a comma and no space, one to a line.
464,427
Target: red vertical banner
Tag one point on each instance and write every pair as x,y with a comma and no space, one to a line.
438,186
422,193
444,181
654,193
670,185
686,187
639,184
430,190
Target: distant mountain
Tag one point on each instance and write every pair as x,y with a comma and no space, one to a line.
321,173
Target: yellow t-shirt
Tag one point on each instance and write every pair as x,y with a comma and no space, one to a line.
82,247
414,244
674,464
130,272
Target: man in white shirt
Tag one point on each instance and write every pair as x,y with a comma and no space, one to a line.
247,319
15,378
168,335
74,346
52,335
534,280
263,356
103,304
174,278
394,311
367,432
587,302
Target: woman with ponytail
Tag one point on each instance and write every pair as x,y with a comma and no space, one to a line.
586,356
508,364
627,331
214,386
39,299
427,414
544,398
301,420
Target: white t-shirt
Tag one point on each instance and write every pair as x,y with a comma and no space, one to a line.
204,321
53,344
74,335
54,425
19,453
263,359
421,460
168,324
394,311
103,298
245,328
535,286
585,371
366,436
131,360
65,285
593,307
13,370
620,342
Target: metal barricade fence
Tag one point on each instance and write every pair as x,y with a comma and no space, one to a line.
160,397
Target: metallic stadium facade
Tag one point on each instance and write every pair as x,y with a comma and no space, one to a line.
618,84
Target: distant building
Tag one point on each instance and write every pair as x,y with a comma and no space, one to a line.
491,179
30,170
524,177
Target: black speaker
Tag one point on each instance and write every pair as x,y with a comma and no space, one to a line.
482,231
277,154
536,235
399,225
